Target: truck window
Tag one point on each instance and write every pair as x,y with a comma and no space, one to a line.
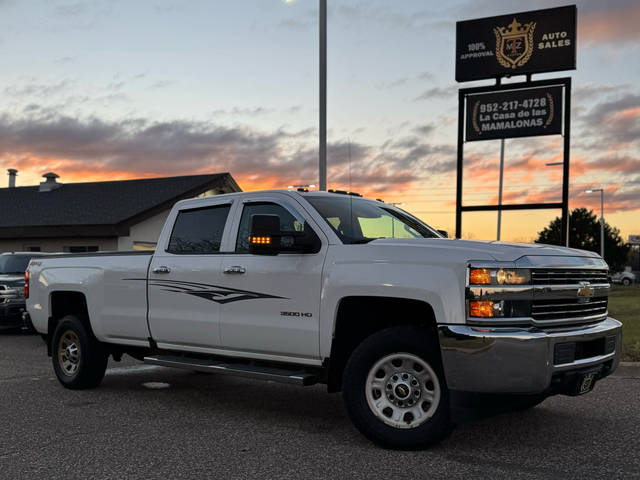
288,223
13,264
386,226
198,231
357,220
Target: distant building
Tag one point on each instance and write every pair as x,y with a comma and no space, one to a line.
96,216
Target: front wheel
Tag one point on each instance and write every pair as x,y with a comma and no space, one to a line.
394,389
79,359
626,282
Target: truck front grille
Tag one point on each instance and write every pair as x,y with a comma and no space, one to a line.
569,295
8,294
566,308
552,276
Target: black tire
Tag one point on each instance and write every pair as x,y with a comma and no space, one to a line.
396,340
626,282
91,359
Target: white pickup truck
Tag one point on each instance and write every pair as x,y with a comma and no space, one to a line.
307,287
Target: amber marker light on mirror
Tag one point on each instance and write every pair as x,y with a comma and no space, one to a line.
260,240
481,308
480,276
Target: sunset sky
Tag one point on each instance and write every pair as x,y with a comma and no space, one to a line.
102,90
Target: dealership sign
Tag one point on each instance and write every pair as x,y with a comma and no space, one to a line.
514,113
515,44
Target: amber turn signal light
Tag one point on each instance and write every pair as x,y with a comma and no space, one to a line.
480,276
260,240
481,308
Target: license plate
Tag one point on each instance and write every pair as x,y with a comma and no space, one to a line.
586,383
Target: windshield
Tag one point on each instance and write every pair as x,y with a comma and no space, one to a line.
356,220
13,264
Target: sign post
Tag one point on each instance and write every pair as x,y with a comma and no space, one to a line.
521,43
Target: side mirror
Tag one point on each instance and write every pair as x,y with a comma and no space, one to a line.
264,235
443,233
266,238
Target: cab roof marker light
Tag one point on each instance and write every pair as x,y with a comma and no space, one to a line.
344,192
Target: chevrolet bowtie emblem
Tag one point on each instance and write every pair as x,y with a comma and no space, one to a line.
585,291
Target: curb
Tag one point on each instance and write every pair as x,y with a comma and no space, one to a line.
627,369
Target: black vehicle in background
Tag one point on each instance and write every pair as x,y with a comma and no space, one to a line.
12,302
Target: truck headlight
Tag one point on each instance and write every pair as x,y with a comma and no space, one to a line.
498,292
499,276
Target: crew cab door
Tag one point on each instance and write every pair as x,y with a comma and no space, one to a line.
276,306
185,276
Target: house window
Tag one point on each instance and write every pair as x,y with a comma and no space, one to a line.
80,248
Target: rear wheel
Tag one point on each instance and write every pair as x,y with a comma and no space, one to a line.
626,282
394,389
79,359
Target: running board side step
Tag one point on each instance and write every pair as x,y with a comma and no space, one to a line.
296,377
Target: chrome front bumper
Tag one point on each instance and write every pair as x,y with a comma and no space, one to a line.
525,360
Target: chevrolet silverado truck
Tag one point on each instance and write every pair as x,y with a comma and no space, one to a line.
329,287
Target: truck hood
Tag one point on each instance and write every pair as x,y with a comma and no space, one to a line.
499,251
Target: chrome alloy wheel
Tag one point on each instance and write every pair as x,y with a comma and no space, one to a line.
69,353
402,390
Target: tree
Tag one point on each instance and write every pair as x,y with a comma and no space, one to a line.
584,233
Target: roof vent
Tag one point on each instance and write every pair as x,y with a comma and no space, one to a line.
13,173
50,183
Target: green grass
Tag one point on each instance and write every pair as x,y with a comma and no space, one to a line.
624,305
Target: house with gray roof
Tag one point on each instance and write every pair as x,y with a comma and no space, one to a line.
96,216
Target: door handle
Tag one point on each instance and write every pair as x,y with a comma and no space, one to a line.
235,269
162,269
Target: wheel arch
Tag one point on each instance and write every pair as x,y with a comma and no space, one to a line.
358,317
61,304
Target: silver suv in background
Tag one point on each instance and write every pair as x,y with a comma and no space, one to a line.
12,301
624,278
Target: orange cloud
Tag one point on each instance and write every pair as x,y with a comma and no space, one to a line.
628,113
610,24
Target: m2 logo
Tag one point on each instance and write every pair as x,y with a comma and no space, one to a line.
296,314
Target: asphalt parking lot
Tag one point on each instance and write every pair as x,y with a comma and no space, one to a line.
148,422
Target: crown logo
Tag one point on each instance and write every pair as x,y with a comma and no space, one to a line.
515,27
514,43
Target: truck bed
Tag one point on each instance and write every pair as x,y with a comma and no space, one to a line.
114,285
